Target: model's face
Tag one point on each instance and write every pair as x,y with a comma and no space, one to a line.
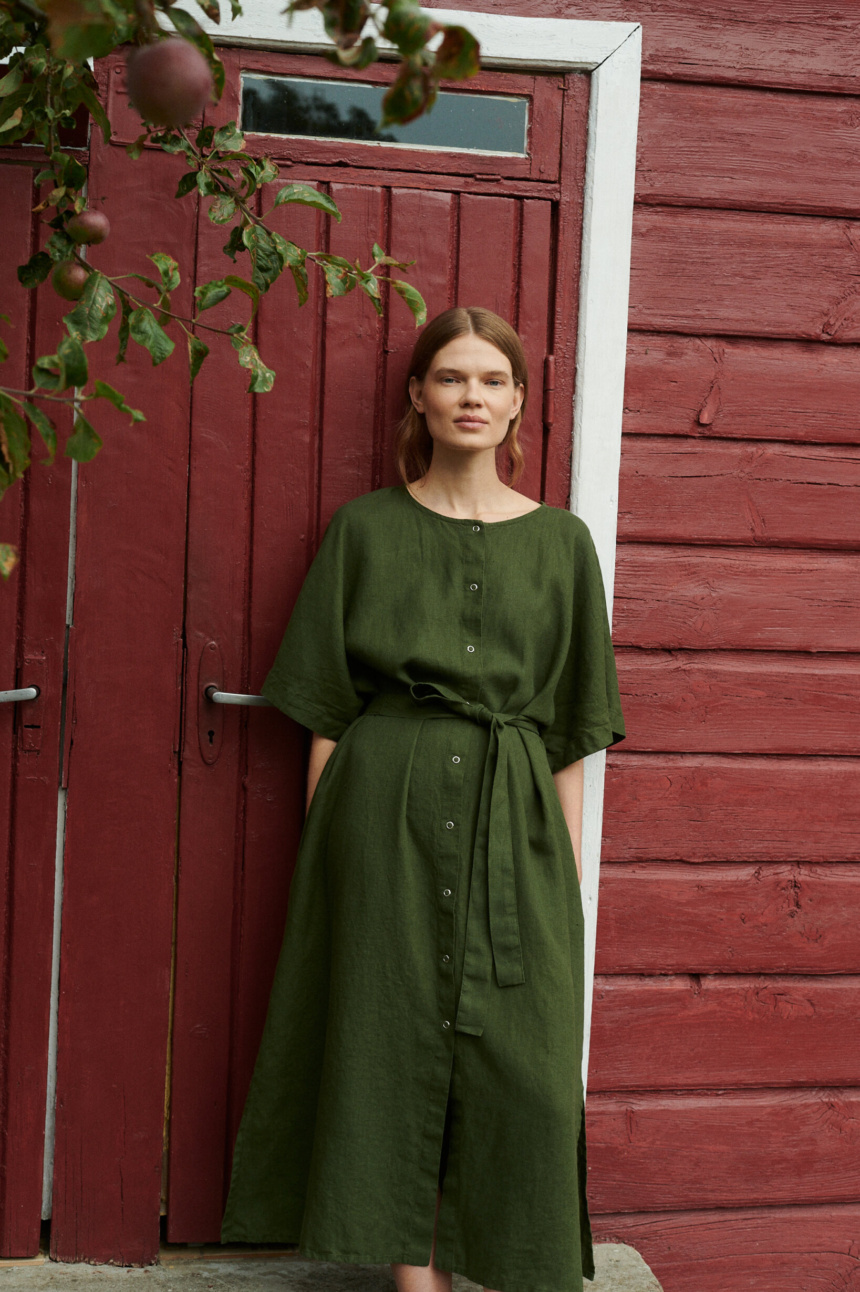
468,396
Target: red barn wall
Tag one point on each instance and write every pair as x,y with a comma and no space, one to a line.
724,1109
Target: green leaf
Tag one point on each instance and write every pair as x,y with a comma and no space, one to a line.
229,138
262,378
413,299
380,258
234,243
124,330
369,285
266,264
11,81
83,444
60,246
8,559
340,276
458,57
295,258
45,427
12,121
307,196
410,94
197,352
71,354
36,269
407,27
359,56
94,312
187,184
211,293
267,170
222,210
15,438
135,148
206,184
167,268
147,332
212,9
104,391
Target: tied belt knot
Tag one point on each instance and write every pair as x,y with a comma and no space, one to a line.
429,699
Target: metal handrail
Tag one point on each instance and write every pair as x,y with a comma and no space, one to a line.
233,697
23,693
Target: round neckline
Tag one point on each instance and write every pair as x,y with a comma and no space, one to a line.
472,520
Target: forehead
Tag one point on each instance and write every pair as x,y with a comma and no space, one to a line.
472,353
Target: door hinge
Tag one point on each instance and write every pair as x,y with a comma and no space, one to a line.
549,390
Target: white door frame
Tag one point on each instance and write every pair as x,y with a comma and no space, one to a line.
611,52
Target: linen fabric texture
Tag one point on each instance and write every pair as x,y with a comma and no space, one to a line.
426,1018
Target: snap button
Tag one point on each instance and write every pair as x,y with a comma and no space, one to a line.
445,959
470,649
476,528
446,1025
474,587
455,758
446,892
449,825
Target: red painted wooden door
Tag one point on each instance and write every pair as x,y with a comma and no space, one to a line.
193,534
266,476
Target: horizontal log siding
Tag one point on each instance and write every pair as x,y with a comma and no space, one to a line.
723,1106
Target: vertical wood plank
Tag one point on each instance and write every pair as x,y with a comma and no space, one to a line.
422,226
353,357
121,825
489,247
533,320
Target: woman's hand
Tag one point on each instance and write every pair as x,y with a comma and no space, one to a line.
568,782
321,750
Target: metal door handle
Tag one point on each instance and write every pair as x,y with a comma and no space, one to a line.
23,693
232,697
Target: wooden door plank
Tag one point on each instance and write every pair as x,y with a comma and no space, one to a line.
421,223
719,491
691,1031
797,45
733,702
762,1148
535,298
210,823
671,917
353,358
760,1249
488,261
701,808
720,146
749,389
745,273
115,954
706,598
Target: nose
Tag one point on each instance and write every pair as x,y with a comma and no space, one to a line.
472,391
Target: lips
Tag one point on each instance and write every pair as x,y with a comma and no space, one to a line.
469,421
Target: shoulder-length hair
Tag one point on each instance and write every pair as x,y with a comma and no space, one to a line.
413,446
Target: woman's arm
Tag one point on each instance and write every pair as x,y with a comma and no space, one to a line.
568,782
321,750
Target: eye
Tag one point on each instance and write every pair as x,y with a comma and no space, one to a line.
496,381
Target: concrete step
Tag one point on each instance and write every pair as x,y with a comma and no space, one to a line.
619,1269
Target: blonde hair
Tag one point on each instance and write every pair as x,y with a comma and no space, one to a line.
413,445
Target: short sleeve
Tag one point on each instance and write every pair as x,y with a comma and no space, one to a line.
310,678
587,703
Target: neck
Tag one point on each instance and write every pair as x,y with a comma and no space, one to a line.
465,483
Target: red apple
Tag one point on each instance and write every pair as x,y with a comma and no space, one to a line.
89,227
169,82
69,280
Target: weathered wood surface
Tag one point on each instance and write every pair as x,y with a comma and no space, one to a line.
724,1149
35,514
712,491
759,1249
674,917
745,273
803,46
118,893
765,150
704,598
749,389
703,808
689,1031
766,702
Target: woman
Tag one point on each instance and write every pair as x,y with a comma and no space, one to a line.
417,1097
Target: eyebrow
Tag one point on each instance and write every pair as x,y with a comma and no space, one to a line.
456,372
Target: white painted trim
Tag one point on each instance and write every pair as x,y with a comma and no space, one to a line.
612,52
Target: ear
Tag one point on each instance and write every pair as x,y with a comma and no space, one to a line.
415,389
519,395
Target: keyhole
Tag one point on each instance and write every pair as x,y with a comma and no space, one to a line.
211,737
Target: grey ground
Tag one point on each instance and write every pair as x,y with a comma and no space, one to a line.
619,1269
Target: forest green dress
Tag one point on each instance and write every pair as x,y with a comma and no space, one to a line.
427,1009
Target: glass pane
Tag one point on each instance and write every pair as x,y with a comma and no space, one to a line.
296,105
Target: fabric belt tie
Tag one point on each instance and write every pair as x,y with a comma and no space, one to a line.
429,700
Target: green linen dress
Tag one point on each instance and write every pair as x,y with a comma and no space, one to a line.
426,1017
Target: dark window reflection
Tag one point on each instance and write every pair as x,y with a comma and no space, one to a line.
274,105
